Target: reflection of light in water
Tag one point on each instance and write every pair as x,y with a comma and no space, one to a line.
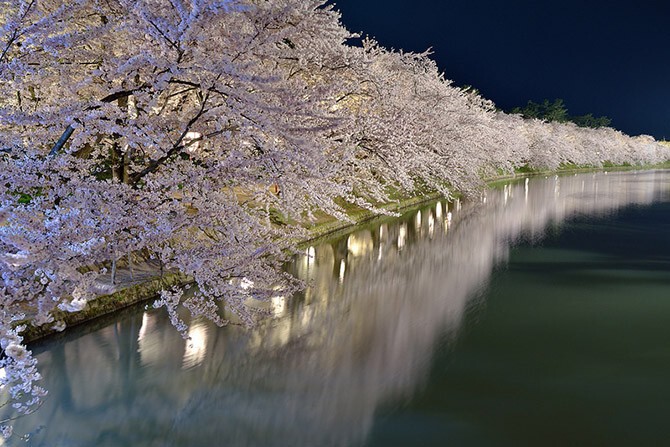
557,186
196,345
307,262
307,316
526,189
144,327
438,211
382,232
280,335
505,194
402,236
417,221
343,267
447,222
148,340
359,243
431,225
352,354
379,256
278,305
458,204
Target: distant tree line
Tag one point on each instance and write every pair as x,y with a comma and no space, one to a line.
556,111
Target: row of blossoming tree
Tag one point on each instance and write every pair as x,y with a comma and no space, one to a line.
167,127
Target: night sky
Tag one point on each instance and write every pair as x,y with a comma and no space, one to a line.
603,57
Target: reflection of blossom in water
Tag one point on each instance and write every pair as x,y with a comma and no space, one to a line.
525,182
402,236
359,243
318,374
278,305
150,350
431,225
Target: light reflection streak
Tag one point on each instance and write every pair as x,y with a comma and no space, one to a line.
526,189
402,236
148,343
144,327
359,243
278,305
195,347
431,225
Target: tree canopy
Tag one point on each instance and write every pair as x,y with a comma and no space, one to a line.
185,125
556,111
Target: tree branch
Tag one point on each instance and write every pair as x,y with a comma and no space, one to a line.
15,34
176,148
122,94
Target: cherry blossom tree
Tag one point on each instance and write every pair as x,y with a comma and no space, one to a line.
178,117
182,129
418,130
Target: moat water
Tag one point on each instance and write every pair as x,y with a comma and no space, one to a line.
536,315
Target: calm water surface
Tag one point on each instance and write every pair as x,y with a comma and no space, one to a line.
539,315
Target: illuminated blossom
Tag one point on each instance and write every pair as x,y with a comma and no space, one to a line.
207,134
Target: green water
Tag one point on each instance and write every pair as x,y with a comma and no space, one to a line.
537,315
569,346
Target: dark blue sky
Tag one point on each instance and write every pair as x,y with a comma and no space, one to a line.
609,58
